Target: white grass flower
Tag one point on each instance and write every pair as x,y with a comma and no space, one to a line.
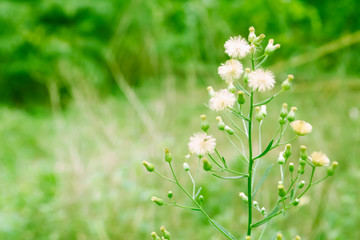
222,100
319,159
202,144
261,80
237,47
301,127
230,70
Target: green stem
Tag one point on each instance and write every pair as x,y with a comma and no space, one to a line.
164,176
251,161
198,205
310,183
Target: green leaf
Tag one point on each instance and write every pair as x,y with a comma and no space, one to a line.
262,179
198,192
227,233
263,102
268,148
292,194
233,177
196,209
265,220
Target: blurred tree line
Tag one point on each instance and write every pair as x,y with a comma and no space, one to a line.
41,41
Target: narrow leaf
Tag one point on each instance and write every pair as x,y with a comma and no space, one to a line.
263,102
267,149
227,233
228,178
265,220
292,194
198,192
262,179
196,209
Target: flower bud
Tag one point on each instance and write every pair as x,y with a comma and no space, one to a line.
301,184
248,238
303,153
260,112
287,152
240,97
284,110
148,166
166,234
231,88
281,190
206,165
158,201
221,124
246,77
296,202
155,236
270,48
331,169
252,48
243,197
286,85
252,36
291,167
255,204
204,123
229,130
210,91
279,236
263,211
301,169
168,156
297,237
170,194
258,115
281,159
291,115
201,199
282,121
186,166
259,39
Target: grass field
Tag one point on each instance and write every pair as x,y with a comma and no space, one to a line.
90,89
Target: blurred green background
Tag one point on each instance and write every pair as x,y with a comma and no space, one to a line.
89,89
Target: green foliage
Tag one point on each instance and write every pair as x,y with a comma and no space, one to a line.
73,174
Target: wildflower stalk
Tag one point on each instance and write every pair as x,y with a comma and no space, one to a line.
202,144
251,161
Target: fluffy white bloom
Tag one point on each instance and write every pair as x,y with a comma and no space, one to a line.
221,100
230,70
261,80
237,47
319,159
202,144
301,127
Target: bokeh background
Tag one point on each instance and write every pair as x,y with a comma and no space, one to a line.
89,89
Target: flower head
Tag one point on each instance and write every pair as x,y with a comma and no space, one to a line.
230,70
319,159
261,80
202,144
237,47
301,127
221,100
